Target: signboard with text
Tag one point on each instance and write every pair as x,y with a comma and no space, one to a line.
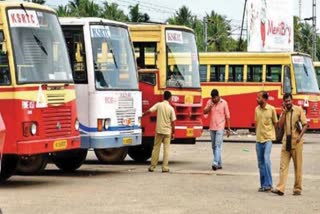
270,25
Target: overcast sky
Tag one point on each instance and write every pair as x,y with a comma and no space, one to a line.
160,10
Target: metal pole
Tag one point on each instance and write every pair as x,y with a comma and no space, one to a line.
314,28
205,33
243,14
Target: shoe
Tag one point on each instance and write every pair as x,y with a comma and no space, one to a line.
278,192
219,167
267,189
296,193
150,169
214,167
165,170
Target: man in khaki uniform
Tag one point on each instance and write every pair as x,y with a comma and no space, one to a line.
164,131
292,144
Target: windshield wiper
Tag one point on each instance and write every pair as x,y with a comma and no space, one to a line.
39,43
110,46
305,70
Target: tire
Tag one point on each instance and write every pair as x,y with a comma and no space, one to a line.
8,166
112,155
32,165
70,160
140,153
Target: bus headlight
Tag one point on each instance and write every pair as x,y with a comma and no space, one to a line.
77,125
33,129
107,123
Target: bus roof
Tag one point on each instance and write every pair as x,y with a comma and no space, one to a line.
155,27
250,54
87,20
6,4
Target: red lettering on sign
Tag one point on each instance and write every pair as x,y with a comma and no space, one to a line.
32,19
13,18
19,18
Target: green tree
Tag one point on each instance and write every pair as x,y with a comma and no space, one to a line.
183,16
63,10
136,16
219,33
112,11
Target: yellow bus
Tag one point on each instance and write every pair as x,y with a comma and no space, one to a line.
161,52
240,76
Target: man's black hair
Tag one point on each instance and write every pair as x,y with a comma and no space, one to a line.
265,94
287,95
167,95
214,93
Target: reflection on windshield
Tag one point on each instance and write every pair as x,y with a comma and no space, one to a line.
39,48
305,76
182,60
113,58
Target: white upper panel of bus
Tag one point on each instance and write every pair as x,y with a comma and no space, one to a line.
87,20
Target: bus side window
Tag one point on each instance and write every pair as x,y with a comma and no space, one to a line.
273,73
203,73
149,78
235,73
287,80
75,45
4,62
146,54
217,73
254,73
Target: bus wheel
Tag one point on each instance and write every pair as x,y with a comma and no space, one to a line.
32,165
111,155
70,160
8,166
140,153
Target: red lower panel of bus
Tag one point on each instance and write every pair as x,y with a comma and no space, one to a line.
48,145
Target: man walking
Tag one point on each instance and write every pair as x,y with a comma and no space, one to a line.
266,120
294,122
219,114
164,131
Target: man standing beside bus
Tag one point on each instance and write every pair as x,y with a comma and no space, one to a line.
164,131
294,122
219,114
266,120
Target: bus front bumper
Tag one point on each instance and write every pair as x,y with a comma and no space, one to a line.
33,147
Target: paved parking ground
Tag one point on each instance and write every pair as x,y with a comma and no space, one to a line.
190,187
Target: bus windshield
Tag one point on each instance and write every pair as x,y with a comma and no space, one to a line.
305,76
113,58
39,48
182,60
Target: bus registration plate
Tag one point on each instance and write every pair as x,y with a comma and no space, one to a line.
127,140
189,132
60,144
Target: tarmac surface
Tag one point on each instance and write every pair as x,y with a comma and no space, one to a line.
190,187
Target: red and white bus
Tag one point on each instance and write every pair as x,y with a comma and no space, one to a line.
37,94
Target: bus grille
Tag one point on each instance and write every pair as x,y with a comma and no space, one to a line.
57,122
55,99
125,110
